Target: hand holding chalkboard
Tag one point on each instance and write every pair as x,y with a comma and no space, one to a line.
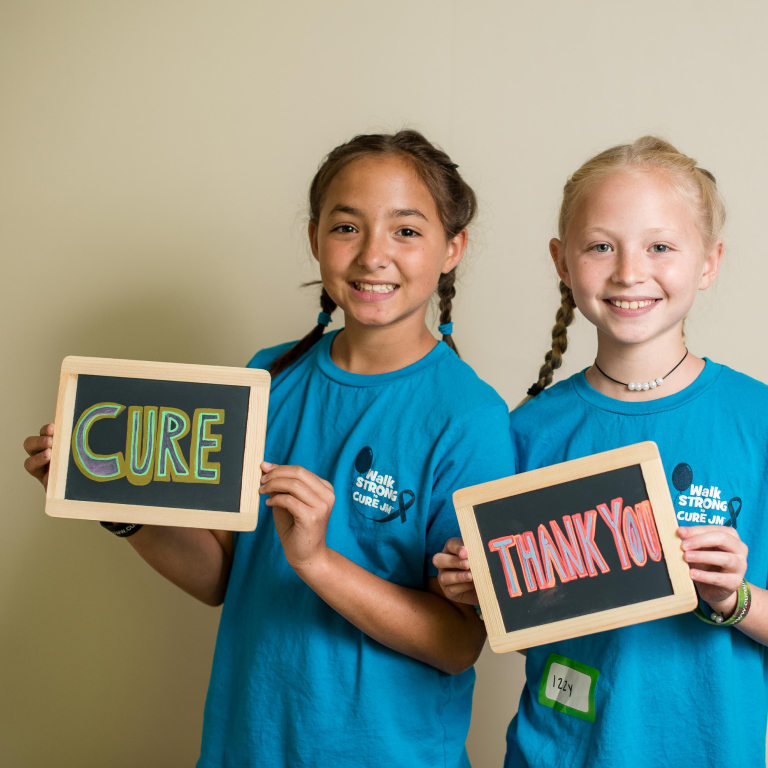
161,443
575,548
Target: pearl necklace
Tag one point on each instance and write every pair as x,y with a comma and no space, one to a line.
642,385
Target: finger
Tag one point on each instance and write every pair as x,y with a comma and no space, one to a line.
456,547
715,536
295,488
300,511
37,464
447,578
688,532
725,560
443,561
294,472
36,443
725,581
47,430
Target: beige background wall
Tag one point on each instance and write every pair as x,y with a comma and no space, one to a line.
154,158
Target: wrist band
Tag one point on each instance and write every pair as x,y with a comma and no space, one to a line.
123,530
743,603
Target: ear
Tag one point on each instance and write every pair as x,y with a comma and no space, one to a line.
557,252
457,246
711,266
312,234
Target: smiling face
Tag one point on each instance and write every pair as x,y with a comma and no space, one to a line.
380,243
634,256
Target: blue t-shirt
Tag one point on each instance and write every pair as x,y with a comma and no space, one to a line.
293,682
677,691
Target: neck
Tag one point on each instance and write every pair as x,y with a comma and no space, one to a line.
652,359
370,350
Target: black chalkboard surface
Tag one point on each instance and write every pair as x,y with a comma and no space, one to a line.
576,548
158,443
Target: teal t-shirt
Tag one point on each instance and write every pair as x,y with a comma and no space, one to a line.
294,683
672,692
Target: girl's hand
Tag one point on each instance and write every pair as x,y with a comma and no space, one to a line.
301,505
718,559
454,575
39,449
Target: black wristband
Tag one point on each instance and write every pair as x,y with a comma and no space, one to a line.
123,530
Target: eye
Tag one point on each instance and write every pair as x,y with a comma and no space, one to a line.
344,229
660,248
407,232
601,248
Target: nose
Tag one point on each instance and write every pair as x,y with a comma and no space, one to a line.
630,267
374,253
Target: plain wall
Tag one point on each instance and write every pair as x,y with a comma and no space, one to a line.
154,161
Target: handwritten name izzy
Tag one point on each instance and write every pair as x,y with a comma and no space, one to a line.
152,450
575,554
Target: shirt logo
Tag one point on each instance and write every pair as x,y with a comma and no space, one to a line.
702,503
375,495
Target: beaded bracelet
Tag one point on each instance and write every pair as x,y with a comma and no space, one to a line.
479,612
742,609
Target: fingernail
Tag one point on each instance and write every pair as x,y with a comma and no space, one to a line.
47,441
46,453
266,466
465,563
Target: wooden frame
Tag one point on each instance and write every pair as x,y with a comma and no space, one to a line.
258,381
647,456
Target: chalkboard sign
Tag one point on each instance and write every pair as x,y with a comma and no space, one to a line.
158,443
575,548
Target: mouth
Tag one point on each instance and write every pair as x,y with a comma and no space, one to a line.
368,290
626,306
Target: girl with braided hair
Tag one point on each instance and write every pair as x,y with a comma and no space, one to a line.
336,645
639,235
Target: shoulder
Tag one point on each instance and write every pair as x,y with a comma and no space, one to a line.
737,382
553,402
265,357
461,391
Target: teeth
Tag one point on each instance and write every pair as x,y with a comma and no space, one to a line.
632,304
376,288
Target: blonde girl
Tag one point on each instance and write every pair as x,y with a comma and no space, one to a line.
639,235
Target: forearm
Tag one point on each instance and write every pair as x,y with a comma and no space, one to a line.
196,560
421,624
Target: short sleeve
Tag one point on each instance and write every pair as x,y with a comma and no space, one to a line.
265,357
480,451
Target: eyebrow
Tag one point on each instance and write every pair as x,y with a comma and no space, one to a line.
395,213
611,233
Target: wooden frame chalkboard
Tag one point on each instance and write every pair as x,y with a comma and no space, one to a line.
576,548
210,481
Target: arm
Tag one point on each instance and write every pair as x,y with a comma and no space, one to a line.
198,561
455,576
422,624
718,559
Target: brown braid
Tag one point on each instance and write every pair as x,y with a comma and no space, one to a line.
554,358
446,290
300,347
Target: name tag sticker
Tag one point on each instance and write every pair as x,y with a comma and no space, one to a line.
569,687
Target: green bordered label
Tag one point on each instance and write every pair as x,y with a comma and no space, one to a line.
569,687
